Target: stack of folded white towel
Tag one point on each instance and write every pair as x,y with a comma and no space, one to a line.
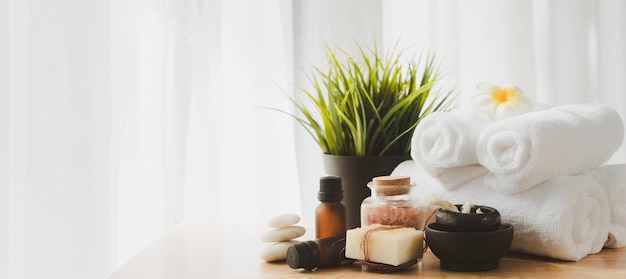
542,170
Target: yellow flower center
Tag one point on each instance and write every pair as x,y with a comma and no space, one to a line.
503,94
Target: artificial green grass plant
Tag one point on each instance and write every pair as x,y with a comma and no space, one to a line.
369,105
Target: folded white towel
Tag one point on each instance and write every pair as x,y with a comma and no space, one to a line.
457,176
425,184
525,150
444,143
564,218
449,178
613,179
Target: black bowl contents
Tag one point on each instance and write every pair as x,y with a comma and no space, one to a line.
469,251
487,220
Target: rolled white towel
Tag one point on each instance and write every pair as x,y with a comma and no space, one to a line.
617,236
564,218
444,144
525,150
613,179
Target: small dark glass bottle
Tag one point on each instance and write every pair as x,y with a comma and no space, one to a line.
330,215
322,252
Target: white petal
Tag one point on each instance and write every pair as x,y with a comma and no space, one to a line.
513,108
513,87
505,110
482,102
487,87
516,104
516,89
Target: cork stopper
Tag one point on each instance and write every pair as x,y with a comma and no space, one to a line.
391,185
392,180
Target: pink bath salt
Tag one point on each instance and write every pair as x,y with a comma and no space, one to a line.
395,216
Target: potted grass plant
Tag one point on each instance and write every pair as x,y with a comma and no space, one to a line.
362,111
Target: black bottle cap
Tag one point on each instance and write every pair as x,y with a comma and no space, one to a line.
330,189
303,255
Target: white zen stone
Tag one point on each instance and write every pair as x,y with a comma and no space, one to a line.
276,251
283,234
283,220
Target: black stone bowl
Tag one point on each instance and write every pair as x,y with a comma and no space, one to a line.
488,220
469,251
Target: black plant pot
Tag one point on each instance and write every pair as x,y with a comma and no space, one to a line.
356,172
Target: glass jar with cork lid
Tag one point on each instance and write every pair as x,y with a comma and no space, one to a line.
391,203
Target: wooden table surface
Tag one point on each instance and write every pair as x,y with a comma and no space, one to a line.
231,251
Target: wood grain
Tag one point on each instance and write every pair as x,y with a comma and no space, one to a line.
231,251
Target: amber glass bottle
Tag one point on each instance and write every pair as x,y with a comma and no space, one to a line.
330,215
323,252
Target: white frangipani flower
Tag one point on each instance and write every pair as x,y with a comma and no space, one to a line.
501,101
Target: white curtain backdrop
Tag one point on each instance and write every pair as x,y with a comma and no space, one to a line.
119,119
189,79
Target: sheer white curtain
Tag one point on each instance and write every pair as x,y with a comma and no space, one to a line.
119,118
57,131
195,145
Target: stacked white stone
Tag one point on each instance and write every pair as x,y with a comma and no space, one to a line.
283,234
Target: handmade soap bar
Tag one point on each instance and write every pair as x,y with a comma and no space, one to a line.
384,244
